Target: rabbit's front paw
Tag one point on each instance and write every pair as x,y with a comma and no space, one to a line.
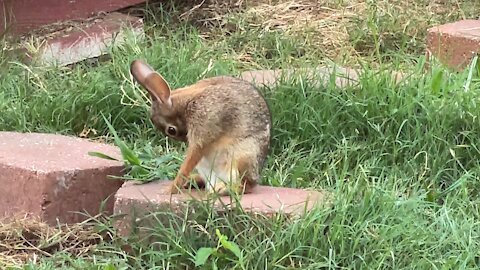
221,188
172,188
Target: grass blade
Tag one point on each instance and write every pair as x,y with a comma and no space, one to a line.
101,155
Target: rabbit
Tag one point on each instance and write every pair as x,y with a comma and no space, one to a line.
225,121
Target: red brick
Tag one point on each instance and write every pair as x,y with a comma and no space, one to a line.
52,176
270,78
87,41
454,44
26,15
319,76
132,202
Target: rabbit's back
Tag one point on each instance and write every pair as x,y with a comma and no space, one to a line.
229,107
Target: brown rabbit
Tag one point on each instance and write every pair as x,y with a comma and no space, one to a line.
225,121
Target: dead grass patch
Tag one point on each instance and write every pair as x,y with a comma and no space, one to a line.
337,29
24,239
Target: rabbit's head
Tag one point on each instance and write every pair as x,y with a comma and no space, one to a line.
166,114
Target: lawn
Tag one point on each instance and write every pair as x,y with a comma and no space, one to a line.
401,159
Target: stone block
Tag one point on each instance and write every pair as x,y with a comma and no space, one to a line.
53,178
134,201
454,44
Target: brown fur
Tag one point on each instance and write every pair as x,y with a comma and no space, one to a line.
220,115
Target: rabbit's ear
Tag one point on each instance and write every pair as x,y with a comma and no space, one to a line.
153,82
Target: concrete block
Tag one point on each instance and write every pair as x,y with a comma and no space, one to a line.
454,44
52,176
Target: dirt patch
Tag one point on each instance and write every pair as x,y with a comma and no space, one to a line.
24,239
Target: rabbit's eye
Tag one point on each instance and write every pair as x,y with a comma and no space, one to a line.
172,131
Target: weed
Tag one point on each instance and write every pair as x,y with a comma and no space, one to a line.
204,253
143,167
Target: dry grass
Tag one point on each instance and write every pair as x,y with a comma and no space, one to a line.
324,27
339,29
26,239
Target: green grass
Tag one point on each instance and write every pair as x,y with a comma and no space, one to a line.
402,160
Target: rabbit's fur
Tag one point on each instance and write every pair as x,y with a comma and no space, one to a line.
225,121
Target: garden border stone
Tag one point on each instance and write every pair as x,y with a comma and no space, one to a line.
53,178
454,44
134,202
87,41
320,76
